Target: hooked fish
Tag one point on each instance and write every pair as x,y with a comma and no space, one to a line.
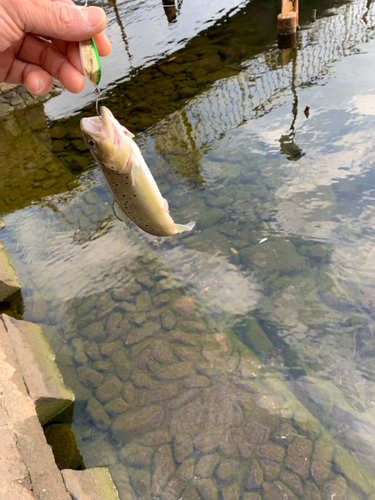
136,194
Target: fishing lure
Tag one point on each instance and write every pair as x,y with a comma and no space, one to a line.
91,64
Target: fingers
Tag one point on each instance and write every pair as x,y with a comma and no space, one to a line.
57,19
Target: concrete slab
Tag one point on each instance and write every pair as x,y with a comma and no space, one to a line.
8,278
40,373
90,484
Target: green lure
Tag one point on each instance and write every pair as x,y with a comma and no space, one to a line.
90,61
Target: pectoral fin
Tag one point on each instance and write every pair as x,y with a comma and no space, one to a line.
180,228
120,214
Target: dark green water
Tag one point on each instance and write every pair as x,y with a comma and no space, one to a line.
282,261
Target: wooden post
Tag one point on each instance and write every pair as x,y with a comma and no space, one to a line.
287,23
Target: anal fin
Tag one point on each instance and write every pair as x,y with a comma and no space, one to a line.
180,228
120,214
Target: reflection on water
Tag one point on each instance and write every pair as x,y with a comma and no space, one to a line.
237,361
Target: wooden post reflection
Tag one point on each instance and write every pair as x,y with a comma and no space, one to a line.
170,10
112,3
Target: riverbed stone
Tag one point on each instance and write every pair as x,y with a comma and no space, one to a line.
139,334
321,461
121,364
109,389
174,371
298,458
116,406
254,479
143,358
206,465
257,433
177,337
162,392
185,306
186,419
163,353
92,352
335,489
204,444
98,415
92,331
168,320
143,302
163,467
89,377
195,382
285,433
207,489
277,491
311,491
182,447
251,496
141,482
161,300
132,424
143,380
293,482
271,469
227,470
271,452
135,455
231,492
350,469
155,438
211,217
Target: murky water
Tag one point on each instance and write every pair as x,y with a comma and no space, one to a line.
236,361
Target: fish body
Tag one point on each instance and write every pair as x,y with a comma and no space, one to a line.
136,194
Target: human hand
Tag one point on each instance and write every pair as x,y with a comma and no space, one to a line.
39,39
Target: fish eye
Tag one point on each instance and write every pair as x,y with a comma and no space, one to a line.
91,143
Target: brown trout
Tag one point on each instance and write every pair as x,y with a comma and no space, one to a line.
136,194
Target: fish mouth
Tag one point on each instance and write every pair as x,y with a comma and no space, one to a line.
99,128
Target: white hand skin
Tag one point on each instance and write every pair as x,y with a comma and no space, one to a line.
39,39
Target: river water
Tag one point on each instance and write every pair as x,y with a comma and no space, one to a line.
280,269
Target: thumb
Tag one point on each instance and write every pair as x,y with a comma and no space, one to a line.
59,19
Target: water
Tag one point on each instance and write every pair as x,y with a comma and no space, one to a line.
153,334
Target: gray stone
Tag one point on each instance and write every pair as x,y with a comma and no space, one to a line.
108,390
206,465
335,489
255,476
155,438
182,447
298,458
139,334
89,377
311,491
321,461
227,470
231,492
200,381
163,353
207,489
271,469
163,467
168,320
134,455
186,419
141,481
97,414
277,491
293,482
143,302
271,452
132,424
116,406
121,364
204,444
175,371
211,217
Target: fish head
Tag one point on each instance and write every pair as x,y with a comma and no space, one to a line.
109,142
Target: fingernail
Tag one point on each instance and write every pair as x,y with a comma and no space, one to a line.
39,86
93,16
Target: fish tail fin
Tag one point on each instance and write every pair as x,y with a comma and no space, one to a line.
180,228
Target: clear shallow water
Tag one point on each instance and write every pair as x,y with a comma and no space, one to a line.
302,300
